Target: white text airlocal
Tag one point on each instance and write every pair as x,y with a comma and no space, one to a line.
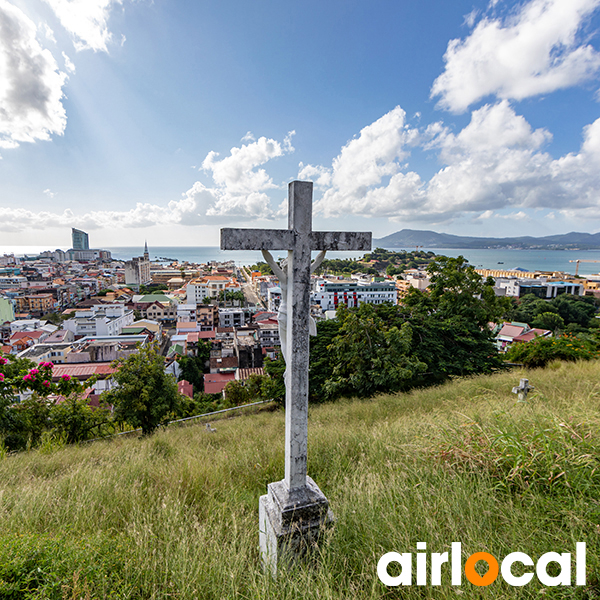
455,564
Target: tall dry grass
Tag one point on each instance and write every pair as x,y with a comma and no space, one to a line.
175,515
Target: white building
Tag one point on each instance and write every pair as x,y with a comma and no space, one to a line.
137,272
209,287
101,320
26,325
187,312
268,333
541,288
273,298
196,290
328,294
15,281
231,317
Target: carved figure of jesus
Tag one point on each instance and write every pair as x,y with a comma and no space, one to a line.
282,275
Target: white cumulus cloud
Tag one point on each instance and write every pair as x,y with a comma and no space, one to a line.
240,186
355,178
86,21
533,52
497,162
30,83
239,191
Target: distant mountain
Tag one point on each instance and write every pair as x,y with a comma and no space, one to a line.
409,238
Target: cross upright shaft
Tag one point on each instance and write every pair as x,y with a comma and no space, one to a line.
298,240
297,355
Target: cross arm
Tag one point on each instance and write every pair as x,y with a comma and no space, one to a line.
340,240
256,239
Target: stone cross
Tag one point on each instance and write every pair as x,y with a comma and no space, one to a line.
296,502
522,390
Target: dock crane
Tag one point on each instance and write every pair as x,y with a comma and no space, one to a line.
580,260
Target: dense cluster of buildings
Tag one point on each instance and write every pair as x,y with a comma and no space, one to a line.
80,309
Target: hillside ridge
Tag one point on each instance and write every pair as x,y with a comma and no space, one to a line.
407,238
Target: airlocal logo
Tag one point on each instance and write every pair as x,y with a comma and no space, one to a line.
505,568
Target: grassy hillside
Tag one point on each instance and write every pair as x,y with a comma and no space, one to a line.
176,515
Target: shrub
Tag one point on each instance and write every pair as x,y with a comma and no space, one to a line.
543,350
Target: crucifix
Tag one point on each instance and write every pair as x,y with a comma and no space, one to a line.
522,390
294,510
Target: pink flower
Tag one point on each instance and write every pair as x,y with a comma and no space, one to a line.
27,377
3,361
33,372
46,383
65,377
1,377
47,365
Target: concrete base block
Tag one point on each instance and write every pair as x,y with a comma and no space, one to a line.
291,523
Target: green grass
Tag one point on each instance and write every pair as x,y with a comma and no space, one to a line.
175,515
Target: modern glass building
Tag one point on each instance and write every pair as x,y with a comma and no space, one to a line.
81,240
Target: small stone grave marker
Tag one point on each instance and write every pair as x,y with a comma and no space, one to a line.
522,390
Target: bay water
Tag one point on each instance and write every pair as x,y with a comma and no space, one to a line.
489,258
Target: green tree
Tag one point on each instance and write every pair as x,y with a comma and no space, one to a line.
54,318
542,350
322,360
370,357
274,387
262,267
236,394
229,296
146,395
76,421
575,309
192,370
23,423
548,320
257,386
450,321
457,290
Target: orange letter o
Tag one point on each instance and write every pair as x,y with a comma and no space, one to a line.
473,576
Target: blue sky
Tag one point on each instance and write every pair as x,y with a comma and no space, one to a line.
166,120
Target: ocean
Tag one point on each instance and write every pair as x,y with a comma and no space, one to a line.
529,260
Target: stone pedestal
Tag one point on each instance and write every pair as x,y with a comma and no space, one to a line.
291,523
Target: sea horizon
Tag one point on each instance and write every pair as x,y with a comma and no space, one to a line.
489,258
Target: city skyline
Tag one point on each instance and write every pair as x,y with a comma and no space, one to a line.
135,120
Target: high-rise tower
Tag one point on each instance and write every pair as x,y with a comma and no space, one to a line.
81,241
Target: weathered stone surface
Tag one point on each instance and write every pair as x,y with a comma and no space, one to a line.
340,240
294,511
255,239
291,523
283,239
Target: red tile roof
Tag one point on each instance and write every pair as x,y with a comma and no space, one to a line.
207,335
531,335
214,383
243,374
34,335
186,388
511,331
83,370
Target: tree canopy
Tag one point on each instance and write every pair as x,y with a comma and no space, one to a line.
146,395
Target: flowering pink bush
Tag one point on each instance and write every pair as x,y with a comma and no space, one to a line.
19,375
